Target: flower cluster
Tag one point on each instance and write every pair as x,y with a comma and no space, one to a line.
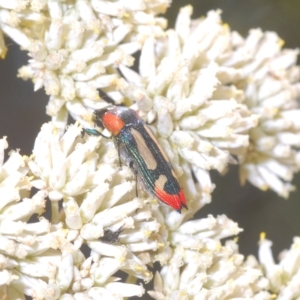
213,272
195,117
76,46
284,276
30,251
43,259
100,210
211,98
270,79
98,199
199,266
257,73
185,76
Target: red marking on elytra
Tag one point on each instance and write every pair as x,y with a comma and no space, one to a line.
175,201
113,123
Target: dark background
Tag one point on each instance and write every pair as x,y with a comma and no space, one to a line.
22,112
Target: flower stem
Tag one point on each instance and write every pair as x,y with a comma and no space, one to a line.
54,212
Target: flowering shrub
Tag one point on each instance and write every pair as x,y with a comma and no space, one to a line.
211,98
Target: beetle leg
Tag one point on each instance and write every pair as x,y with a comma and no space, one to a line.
135,172
119,152
91,131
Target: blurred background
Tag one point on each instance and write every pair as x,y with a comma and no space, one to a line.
22,112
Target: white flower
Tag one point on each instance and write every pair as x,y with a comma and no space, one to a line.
91,279
123,232
197,266
99,204
30,251
271,83
14,181
76,46
256,72
211,272
202,89
269,78
284,277
44,261
177,91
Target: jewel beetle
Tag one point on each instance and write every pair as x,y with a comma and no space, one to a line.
138,147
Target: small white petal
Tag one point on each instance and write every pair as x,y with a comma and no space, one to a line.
125,289
73,219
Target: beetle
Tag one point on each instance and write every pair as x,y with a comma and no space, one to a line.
138,147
